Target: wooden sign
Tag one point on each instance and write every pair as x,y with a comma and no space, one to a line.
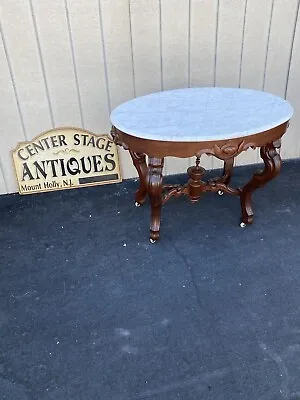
66,158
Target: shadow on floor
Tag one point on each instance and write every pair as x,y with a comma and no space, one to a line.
91,310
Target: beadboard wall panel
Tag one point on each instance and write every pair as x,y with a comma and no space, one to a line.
203,35
279,59
3,188
291,141
231,18
70,62
146,45
12,128
53,33
253,61
87,47
23,51
175,59
119,62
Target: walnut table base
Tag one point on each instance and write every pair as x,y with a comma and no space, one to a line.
151,174
221,122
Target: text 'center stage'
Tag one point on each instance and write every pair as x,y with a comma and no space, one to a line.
66,158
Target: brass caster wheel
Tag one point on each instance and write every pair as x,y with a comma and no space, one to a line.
152,241
220,192
137,204
243,225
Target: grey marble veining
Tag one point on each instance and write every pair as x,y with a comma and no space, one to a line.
200,114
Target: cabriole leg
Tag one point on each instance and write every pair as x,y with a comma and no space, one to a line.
227,173
227,170
155,195
139,161
272,168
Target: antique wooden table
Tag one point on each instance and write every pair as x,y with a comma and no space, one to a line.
222,122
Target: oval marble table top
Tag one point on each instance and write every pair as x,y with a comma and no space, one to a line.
201,114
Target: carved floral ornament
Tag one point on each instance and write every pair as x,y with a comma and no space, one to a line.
116,137
228,150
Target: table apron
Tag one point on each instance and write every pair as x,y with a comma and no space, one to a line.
222,149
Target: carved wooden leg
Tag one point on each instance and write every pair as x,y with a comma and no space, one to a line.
155,195
272,168
139,161
227,173
277,145
227,170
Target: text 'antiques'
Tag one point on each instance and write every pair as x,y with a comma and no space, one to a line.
66,158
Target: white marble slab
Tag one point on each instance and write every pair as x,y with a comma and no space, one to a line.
201,114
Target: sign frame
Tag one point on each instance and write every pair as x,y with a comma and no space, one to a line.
67,150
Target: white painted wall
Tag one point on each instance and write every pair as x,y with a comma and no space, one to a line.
70,62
